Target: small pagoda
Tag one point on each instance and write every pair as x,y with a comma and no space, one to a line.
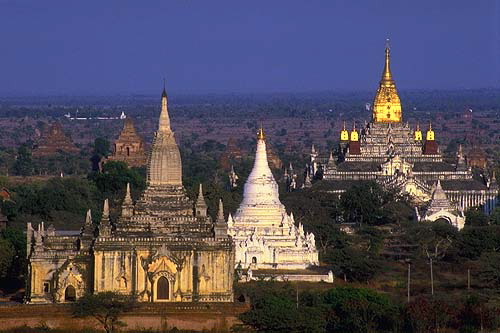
129,147
54,140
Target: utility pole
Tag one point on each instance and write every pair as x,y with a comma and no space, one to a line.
432,280
409,268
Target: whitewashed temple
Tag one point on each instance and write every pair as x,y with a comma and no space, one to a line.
264,234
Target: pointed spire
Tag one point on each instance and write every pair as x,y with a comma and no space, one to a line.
164,124
386,74
201,205
105,209
88,218
88,229
220,228
418,126
260,134
201,198
105,225
220,213
128,198
344,128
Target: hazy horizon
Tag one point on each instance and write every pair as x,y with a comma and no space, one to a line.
60,48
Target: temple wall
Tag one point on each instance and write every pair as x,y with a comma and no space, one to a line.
218,317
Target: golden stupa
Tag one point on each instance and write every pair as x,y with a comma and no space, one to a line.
386,105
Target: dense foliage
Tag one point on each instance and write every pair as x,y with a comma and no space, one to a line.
283,308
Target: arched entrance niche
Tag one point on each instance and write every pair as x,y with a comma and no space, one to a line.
70,294
162,289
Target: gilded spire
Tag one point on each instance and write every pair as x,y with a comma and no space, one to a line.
260,134
386,74
387,105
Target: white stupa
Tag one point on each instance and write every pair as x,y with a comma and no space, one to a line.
264,234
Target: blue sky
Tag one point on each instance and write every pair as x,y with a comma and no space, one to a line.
108,47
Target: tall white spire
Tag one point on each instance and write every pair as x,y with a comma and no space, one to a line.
261,187
164,163
164,124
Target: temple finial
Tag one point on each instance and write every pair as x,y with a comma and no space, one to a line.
164,125
387,75
260,133
164,93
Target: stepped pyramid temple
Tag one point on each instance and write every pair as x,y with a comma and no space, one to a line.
265,235
163,248
396,155
53,140
129,147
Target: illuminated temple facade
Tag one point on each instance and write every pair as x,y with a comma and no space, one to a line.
265,235
400,156
162,248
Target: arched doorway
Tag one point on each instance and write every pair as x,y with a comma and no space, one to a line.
162,289
70,294
254,260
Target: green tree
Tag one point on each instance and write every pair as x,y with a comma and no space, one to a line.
352,264
113,179
476,217
495,216
476,240
101,147
359,310
363,203
105,307
7,255
490,268
24,164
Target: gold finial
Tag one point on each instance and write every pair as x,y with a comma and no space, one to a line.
260,134
386,75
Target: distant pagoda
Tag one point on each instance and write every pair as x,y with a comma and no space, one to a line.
52,141
129,147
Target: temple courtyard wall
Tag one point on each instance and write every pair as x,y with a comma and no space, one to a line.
218,317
